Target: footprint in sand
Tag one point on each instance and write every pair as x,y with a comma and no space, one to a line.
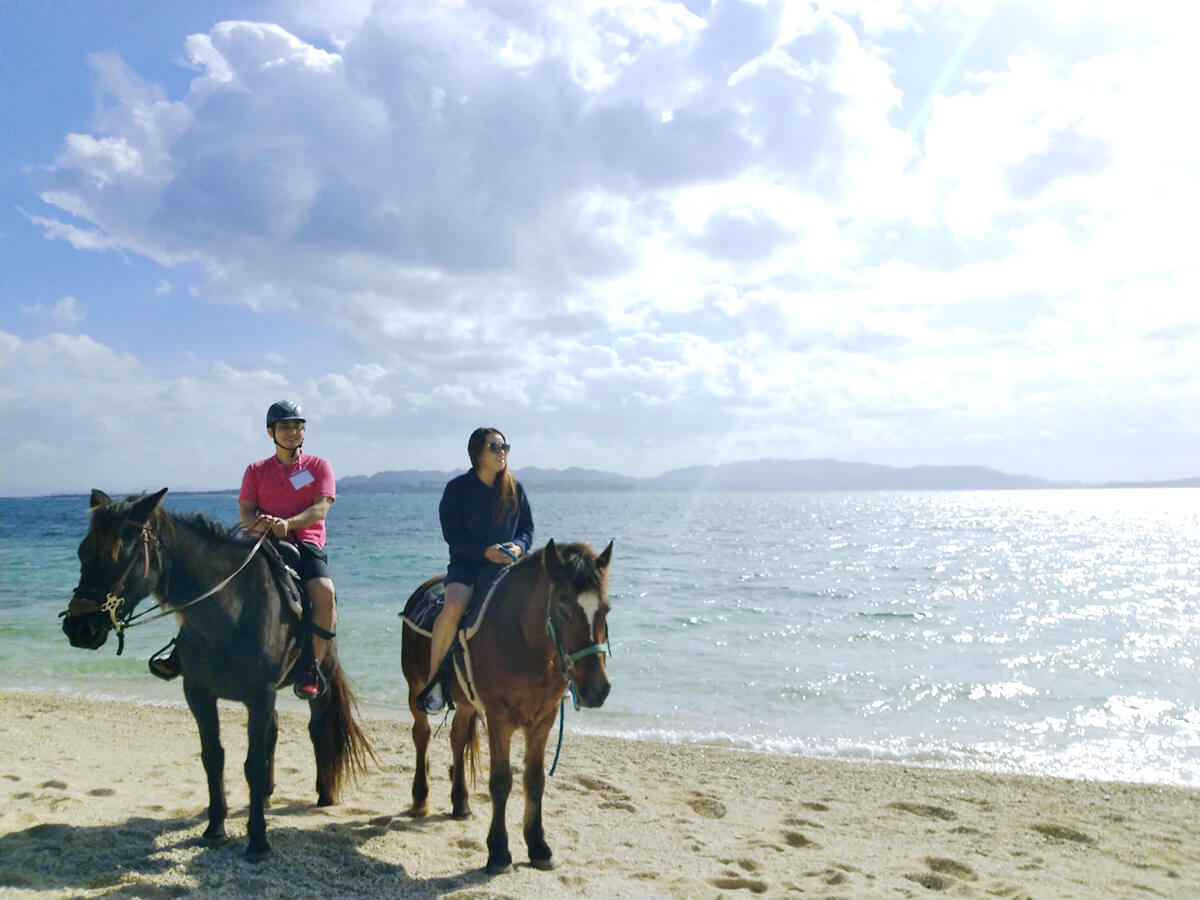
708,807
796,839
614,797
797,822
925,811
943,874
1063,833
951,867
737,883
101,792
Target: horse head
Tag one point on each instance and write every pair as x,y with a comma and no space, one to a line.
577,616
119,564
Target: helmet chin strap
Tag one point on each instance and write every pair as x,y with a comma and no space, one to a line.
291,453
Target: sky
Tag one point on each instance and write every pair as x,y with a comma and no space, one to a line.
632,235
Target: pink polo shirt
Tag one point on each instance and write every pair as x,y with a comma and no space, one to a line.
284,493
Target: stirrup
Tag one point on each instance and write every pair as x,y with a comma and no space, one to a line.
164,664
322,683
423,697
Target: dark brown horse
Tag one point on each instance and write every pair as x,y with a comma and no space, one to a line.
240,642
544,629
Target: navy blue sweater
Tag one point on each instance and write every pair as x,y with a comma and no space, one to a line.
467,526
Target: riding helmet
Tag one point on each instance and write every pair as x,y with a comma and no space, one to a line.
284,411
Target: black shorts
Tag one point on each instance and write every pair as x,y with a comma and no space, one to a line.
313,562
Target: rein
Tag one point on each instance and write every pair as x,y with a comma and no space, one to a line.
169,609
568,660
116,594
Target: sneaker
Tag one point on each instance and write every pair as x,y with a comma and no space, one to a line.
434,701
308,683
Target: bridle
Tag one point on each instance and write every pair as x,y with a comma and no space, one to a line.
568,660
115,598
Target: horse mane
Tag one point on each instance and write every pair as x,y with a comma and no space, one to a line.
579,565
201,522
106,518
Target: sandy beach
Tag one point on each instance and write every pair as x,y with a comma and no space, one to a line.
101,798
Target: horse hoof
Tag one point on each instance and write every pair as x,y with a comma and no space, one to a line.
325,801
257,855
464,814
544,864
215,838
499,868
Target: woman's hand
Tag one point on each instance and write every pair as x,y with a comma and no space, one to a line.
503,553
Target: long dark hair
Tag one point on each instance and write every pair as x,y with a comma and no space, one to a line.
504,488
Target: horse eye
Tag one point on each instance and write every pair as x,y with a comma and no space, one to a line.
564,608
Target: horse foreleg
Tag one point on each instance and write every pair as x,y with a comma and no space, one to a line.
261,730
420,788
540,854
204,708
273,737
461,733
500,784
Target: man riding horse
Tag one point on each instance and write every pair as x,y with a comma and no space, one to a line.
289,494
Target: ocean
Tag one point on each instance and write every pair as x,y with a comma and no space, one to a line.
1040,632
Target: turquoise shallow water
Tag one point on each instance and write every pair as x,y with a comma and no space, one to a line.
1053,632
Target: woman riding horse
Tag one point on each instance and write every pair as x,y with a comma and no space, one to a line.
487,524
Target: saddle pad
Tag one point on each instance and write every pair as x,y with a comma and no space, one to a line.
287,580
421,614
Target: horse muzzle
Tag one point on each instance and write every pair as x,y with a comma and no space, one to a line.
592,689
85,624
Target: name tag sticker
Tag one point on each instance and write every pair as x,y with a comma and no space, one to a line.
301,478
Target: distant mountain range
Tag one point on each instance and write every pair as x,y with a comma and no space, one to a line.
759,475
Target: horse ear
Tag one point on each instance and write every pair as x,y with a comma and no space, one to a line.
144,507
605,558
551,558
99,498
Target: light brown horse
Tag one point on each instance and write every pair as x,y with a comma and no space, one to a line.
544,629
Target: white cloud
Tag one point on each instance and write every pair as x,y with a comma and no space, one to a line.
668,228
67,311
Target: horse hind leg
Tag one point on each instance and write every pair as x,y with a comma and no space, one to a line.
540,854
420,786
339,744
414,660
204,708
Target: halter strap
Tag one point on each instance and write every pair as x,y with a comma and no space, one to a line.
569,659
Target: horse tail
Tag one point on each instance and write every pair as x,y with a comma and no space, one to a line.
342,749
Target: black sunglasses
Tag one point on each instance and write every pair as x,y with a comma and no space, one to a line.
497,447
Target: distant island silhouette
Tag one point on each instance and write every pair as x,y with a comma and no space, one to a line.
757,475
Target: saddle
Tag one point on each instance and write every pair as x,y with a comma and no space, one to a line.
423,609
283,557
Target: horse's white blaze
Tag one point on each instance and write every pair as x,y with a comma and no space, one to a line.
589,602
